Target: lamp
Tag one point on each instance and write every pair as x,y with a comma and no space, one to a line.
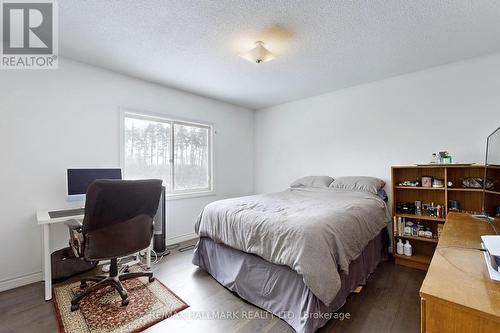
258,54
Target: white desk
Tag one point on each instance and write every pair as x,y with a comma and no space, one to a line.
43,218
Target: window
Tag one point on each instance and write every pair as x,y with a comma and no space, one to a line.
178,152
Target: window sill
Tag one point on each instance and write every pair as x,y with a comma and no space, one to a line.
191,195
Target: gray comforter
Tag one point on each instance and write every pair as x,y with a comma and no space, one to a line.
315,232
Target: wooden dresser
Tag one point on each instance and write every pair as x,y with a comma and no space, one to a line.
457,294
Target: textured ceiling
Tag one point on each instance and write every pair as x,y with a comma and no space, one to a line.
320,45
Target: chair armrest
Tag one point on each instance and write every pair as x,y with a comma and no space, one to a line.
73,224
75,237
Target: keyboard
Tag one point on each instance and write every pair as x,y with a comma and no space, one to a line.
66,213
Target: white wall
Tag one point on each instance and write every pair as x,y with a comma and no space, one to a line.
52,120
365,129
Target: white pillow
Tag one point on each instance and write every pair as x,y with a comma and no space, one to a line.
358,183
312,181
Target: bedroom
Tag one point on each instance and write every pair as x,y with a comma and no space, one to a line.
353,88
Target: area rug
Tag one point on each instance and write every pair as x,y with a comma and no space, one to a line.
101,311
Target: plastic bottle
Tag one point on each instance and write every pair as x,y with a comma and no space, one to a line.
407,249
399,247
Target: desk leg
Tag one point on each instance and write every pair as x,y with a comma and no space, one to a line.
47,274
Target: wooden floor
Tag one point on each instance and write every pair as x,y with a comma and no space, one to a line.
389,303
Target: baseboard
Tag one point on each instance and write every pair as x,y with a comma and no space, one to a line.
20,281
29,278
181,238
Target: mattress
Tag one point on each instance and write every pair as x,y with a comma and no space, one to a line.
279,289
316,232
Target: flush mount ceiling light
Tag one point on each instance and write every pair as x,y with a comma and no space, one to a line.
258,54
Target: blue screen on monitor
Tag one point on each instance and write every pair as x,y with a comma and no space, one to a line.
80,179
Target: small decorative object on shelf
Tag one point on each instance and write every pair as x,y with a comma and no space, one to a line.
426,181
409,183
477,182
418,207
450,183
443,157
433,210
437,183
421,231
405,207
408,229
439,211
454,205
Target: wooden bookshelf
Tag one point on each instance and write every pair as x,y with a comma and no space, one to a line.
418,258
420,217
420,188
420,239
466,189
469,199
493,192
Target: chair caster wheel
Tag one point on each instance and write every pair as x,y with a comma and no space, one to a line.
83,285
125,302
75,307
151,279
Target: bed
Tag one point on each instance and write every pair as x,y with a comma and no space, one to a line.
297,253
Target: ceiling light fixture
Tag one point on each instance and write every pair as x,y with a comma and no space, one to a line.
258,54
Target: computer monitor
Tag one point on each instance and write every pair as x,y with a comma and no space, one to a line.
80,179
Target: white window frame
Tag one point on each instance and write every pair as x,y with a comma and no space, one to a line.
172,194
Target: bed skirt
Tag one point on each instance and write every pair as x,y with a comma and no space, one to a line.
279,289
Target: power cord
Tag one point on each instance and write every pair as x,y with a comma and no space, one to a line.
490,222
461,247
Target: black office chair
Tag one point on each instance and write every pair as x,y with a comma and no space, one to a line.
118,222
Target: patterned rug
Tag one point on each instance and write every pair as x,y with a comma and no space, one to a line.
101,311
